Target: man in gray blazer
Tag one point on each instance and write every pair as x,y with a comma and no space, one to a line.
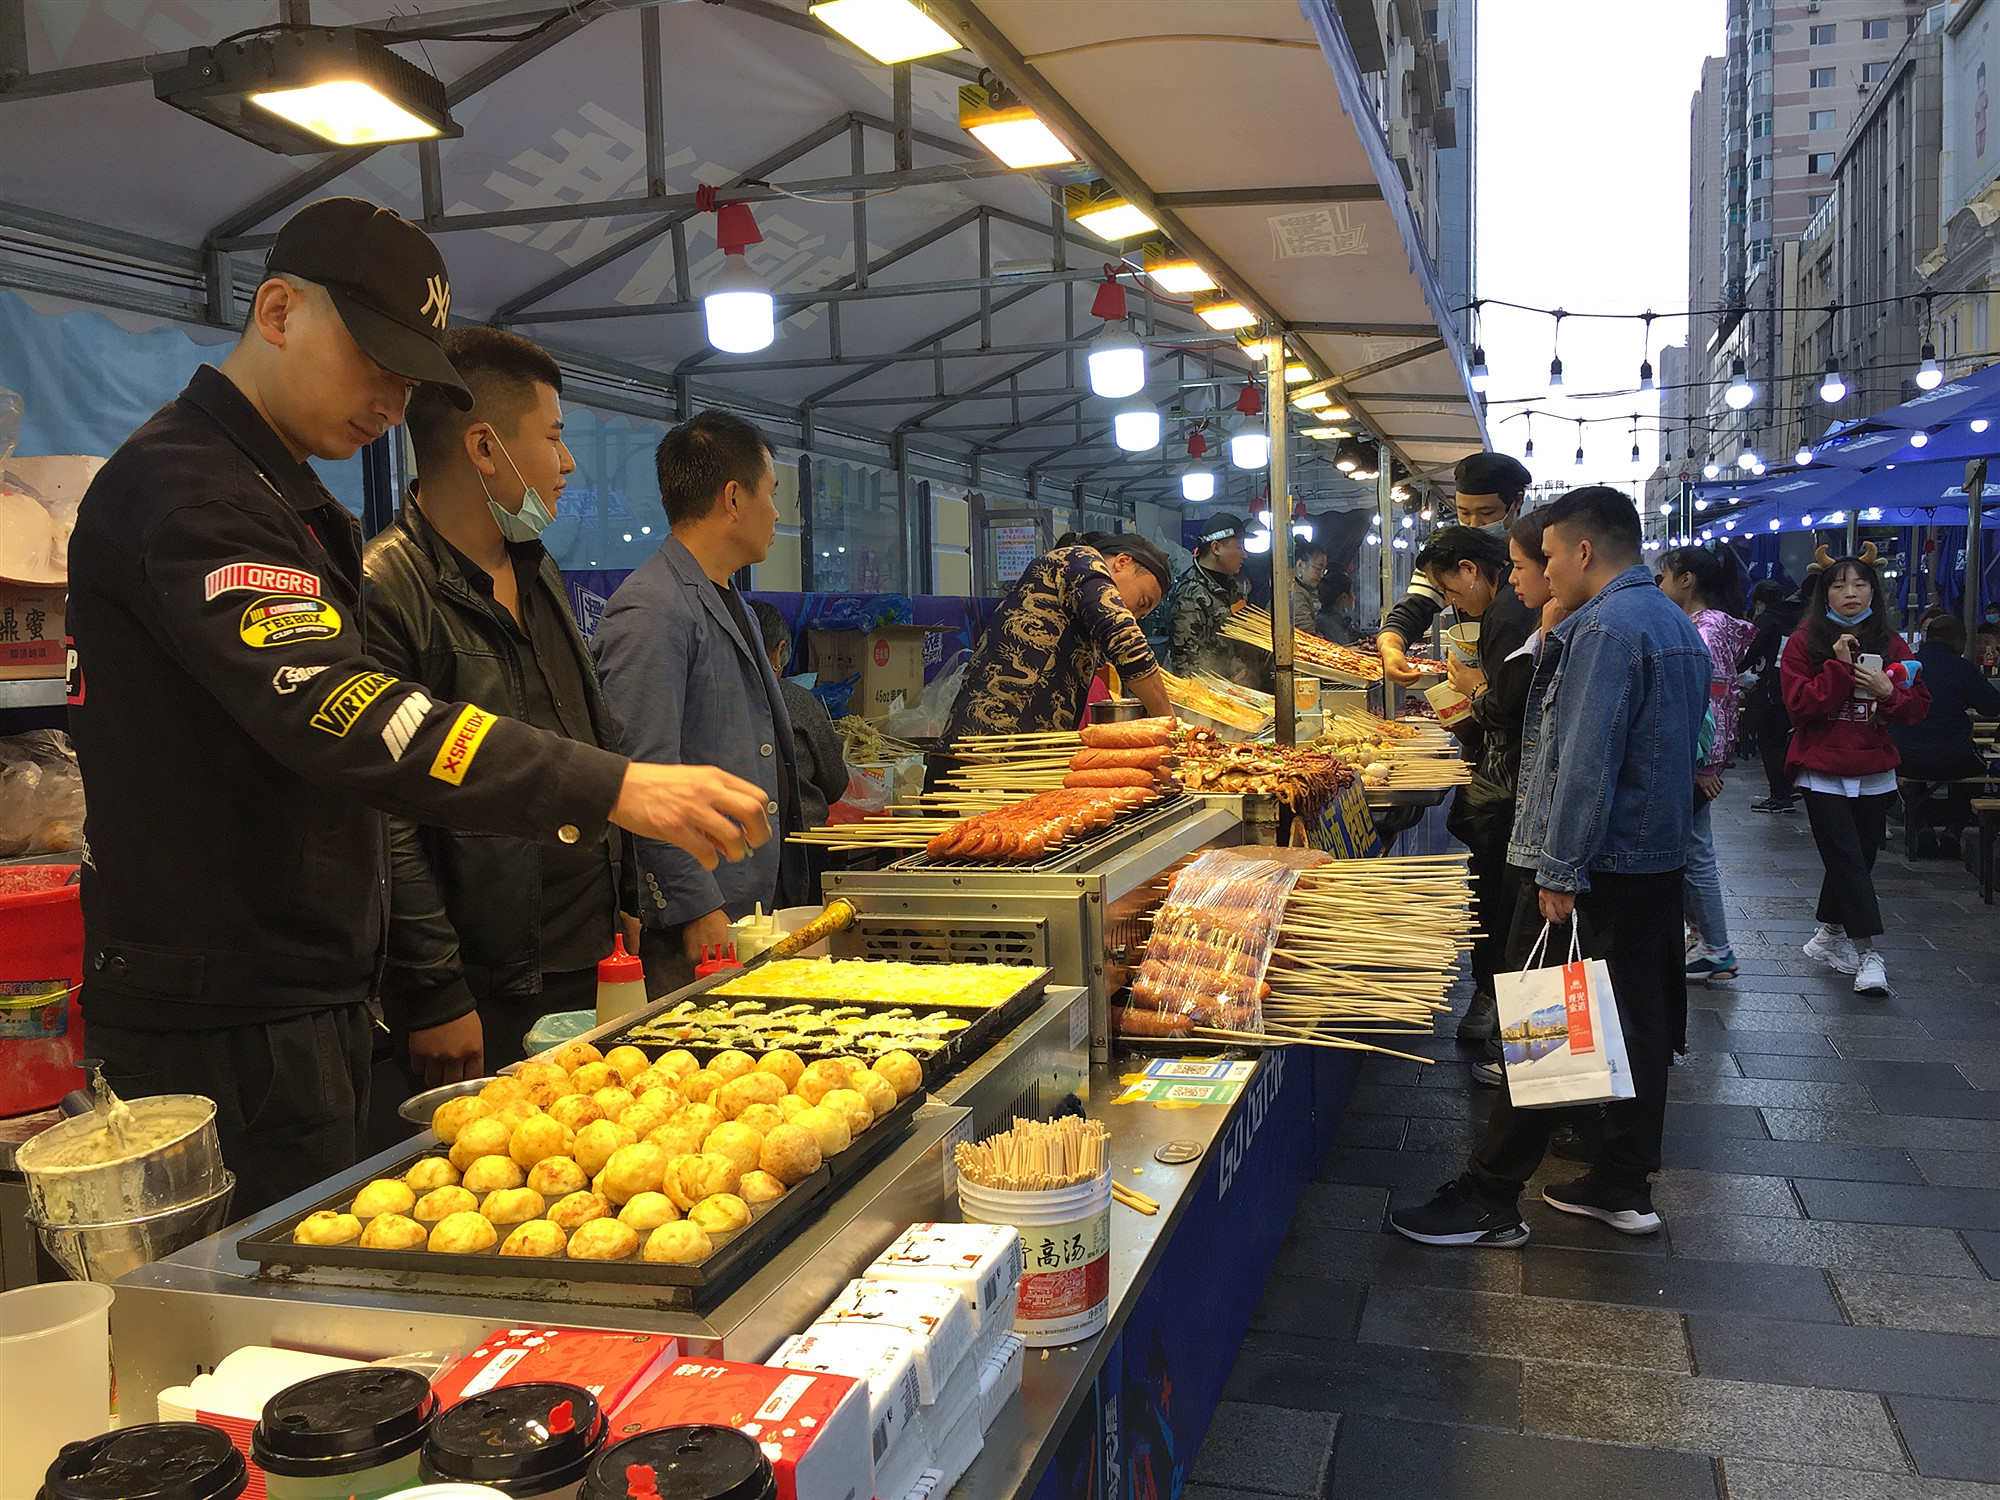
682,669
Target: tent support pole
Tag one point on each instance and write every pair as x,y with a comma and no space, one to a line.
1975,565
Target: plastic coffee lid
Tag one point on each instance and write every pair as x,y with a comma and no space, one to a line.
344,1422
682,1463
159,1461
520,1439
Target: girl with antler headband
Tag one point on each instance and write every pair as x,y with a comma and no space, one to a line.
1846,676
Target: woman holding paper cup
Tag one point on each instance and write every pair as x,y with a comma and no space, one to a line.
1483,701
1846,676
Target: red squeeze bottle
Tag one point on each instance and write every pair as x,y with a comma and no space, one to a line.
621,982
709,966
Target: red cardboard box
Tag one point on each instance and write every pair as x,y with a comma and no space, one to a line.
611,1366
812,1426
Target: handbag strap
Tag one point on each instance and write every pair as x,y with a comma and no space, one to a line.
1535,953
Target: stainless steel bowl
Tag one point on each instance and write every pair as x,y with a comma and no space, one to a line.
419,1108
1116,710
105,1252
183,1170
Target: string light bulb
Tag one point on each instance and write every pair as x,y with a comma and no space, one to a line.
1711,470
1930,374
1832,388
1739,393
1747,458
1803,457
1480,377
1920,439
1556,373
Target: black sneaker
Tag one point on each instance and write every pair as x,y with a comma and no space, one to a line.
1491,1069
1481,1021
1455,1218
1772,805
1627,1210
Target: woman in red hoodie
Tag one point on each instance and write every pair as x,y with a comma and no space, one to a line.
1845,676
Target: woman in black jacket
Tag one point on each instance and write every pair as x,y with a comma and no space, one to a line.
1763,712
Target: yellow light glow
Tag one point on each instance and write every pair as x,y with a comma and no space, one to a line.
1224,314
890,31
1021,140
1313,402
1115,221
1325,433
1181,277
1297,374
1338,414
346,113
1256,349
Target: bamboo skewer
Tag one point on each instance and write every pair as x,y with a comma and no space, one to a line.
1133,1199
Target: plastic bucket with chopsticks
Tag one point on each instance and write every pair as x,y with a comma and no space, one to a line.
1065,1254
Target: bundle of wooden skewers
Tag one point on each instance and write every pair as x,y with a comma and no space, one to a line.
1036,1156
1318,655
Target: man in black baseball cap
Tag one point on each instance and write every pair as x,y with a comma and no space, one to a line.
241,747
1202,598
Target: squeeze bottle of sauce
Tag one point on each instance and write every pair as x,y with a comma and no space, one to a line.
621,982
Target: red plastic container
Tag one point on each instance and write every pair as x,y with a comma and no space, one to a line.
41,965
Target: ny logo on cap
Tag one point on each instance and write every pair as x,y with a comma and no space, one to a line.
438,303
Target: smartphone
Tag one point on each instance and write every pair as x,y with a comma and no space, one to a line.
1870,660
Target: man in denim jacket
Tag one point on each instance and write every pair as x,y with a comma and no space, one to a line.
1606,801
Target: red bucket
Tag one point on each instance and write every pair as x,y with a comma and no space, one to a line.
41,965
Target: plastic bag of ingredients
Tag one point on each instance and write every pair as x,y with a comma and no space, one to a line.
926,719
41,795
866,796
1211,944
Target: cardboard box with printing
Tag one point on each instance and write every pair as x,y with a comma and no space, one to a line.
889,660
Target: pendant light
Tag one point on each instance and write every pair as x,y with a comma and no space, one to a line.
1136,426
1832,388
1117,360
1930,374
1480,378
1198,485
737,306
1251,449
1739,393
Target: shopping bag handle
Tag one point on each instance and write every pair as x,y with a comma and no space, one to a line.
1541,942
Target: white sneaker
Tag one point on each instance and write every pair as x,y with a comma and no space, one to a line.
1833,948
1872,978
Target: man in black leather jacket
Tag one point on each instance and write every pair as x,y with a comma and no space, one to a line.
488,934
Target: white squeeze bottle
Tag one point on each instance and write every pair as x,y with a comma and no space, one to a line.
621,982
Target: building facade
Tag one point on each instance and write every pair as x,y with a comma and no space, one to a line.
1963,269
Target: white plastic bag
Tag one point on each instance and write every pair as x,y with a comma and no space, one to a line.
1560,1033
926,718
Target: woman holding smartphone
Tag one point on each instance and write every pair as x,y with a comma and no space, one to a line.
1846,676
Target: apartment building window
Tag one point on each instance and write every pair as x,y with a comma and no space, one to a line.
1760,40
1916,22
1760,124
1760,210
1760,168
1874,72
1819,162
1820,36
1820,119
1874,31
1818,201
1820,78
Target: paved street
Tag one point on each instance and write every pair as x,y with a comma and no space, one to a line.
1820,1317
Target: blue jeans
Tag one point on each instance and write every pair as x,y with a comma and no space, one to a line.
1702,891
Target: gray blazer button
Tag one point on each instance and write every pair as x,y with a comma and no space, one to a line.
763,749
770,807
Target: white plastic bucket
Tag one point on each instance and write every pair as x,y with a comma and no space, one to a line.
1065,1255
55,1375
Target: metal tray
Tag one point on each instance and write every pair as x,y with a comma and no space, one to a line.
989,1024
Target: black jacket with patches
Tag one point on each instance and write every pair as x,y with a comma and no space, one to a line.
239,746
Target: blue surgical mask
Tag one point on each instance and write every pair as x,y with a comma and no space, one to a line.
533,518
1493,528
1840,619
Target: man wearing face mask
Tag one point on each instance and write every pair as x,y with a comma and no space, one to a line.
1490,487
486,935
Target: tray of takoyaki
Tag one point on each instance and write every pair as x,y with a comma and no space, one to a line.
614,1166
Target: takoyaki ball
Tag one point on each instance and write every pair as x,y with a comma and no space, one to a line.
595,1143
792,1106
681,1244
385,1195
731,1064
791,1153
544,1091
703,1117
454,1114
642,1118
537,1239
677,1138
603,1239
614,1099
532,1073
463,1234
829,1129
633,1170
739,1143
503,1091
818,1079
627,1062
574,1055
760,1187
876,1092
576,1111
762,1118
489,1174
851,1104
785,1063
661,1095
442,1203
512,1113
700,1088
724,1213
514,1205
752,1088
394,1232
431,1172
902,1070
690,1179
328,1228
591,1077
557,1176
648,1212
578,1209
544,1135
482,1137
680,1062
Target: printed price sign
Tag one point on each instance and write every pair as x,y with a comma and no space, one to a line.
1014,547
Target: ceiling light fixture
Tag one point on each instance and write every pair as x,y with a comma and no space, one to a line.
1007,127
1117,360
1317,401
1171,271
1297,374
1105,212
300,91
737,306
1930,374
890,31
1250,450
1198,485
1222,312
1137,427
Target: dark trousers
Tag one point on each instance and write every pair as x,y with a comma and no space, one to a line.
291,1095
1633,923
1849,831
1774,736
668,968
1495,884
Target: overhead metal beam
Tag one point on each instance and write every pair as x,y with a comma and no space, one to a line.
1337,382
1356,192
339,163
13,42
1370,330
925,349
791,302
651,85
645,234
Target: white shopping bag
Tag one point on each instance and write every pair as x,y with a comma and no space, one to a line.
1559,1032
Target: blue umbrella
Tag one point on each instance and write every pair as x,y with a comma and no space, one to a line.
1900,494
